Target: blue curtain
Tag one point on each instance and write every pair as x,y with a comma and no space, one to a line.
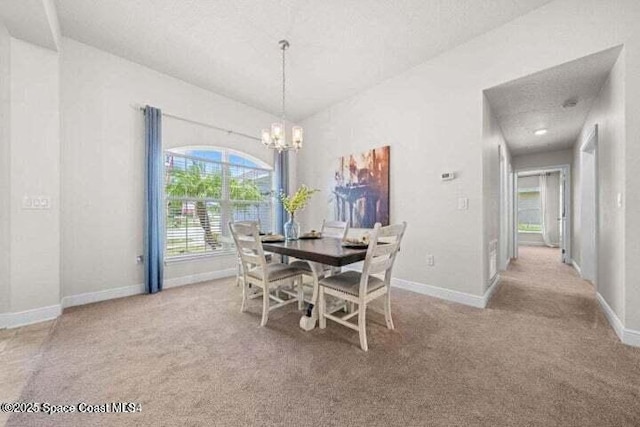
281,162
153,229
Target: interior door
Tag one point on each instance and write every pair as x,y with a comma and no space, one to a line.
589,209
516,220
564,232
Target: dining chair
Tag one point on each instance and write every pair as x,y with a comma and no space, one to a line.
239,275
338,229
256,271
335,229
362,288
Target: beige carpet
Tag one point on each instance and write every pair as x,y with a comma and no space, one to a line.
542,354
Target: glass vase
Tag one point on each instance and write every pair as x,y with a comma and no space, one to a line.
291,229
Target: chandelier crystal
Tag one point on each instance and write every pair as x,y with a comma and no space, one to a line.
279,137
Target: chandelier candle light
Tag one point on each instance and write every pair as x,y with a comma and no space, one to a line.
278,137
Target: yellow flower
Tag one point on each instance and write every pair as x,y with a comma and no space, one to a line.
298,200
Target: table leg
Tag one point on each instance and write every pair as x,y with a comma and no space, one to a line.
308,321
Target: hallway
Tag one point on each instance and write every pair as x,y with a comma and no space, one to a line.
538,284
550,314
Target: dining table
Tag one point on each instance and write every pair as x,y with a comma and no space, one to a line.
319,253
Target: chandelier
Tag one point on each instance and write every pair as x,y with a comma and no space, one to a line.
278,137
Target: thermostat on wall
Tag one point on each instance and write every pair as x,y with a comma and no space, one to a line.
447,176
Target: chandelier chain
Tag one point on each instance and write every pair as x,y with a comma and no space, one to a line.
284,48
278,137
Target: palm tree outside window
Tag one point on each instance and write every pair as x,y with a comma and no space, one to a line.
207,188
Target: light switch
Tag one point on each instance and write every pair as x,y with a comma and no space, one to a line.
619,200
463,203
36,202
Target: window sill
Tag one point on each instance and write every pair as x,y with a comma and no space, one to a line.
198,257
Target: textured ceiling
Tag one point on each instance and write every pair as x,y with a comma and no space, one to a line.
534,102
338,47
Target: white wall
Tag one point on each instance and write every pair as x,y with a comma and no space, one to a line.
609,114
35,171
5,163
543,159
631,190
431,116
103,161
495,211
399,114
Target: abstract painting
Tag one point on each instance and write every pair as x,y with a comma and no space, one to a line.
361,188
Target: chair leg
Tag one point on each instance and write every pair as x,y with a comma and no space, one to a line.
243,306
387,309
362,325
322,306
300,282
265,305
239,273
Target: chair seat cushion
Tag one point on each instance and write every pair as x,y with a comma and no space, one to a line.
349,283
302,265
277,271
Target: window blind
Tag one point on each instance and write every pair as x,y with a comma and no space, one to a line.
204,194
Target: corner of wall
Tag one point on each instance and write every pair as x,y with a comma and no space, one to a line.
5,174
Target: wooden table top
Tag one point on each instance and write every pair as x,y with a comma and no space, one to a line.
327,250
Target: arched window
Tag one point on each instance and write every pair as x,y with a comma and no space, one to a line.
206,187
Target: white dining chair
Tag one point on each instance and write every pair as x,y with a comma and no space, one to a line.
362,288
239,275
268,277
335,229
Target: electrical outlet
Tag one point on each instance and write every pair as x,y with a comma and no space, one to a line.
431,260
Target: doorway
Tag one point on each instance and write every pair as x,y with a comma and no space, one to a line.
542,204
588,207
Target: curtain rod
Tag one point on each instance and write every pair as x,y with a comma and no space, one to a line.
229,131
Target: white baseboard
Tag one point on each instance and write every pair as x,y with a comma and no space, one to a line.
495,284
442,293
28,317
576,266
611,316
627,336
13,320
127,291
197,278
104,295
631,337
